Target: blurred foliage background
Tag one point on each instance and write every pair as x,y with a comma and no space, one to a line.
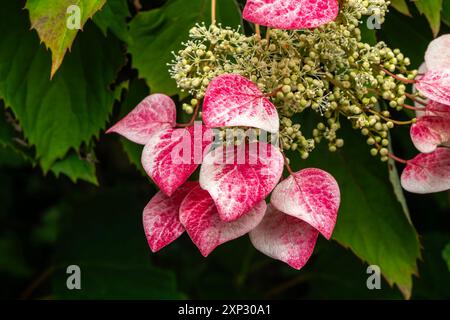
69,195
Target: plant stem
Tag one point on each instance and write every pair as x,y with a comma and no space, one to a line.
213,11
407,106
404,80
390,155
392,120
194,116
258,30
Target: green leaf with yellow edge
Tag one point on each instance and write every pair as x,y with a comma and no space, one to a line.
432,11
58,115
156,33
401,6
371,221
55,20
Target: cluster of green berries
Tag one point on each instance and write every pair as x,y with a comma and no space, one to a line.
328,70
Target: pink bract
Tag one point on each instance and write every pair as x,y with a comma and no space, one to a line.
238,177
291,14
232,100
154,113
199,216
284,238
311,195
428,172
429,132
437,55
172,155
162,225
435,85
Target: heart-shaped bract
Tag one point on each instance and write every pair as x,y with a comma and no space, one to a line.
232,100
311,195
428,172
154,113
435,85
199,216
437,55
291,14
161,220
172,155
283,237
429,132
238,177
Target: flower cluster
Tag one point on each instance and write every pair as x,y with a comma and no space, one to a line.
327,69
250,87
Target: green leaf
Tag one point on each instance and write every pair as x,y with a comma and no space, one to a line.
61,114
401,6
103,235
446,12
156,33
446,255
371,221
432,11
52,19
113,17
75,168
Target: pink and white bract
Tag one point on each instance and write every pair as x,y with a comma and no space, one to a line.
161,222
428,172
437,55
239,177
291,14
200,217
154,113
311,195
172,155
429,132
435,85
232,100
283,237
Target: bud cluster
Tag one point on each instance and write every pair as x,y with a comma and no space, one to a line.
328,70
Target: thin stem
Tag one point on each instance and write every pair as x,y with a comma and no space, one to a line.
392,120
415,99
194,116
390,155
404,80
267,34
258,30
407,106
213,11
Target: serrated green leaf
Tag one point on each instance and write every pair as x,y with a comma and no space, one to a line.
371,221
401,6
75,168
113,17
50,19
61,114
156,33
432,11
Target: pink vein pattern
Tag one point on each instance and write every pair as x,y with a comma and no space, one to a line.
154,113
428,172
284,238
311,195
236,187
435,85
291,14
172,155
232,100
199,216
437,55
160,218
